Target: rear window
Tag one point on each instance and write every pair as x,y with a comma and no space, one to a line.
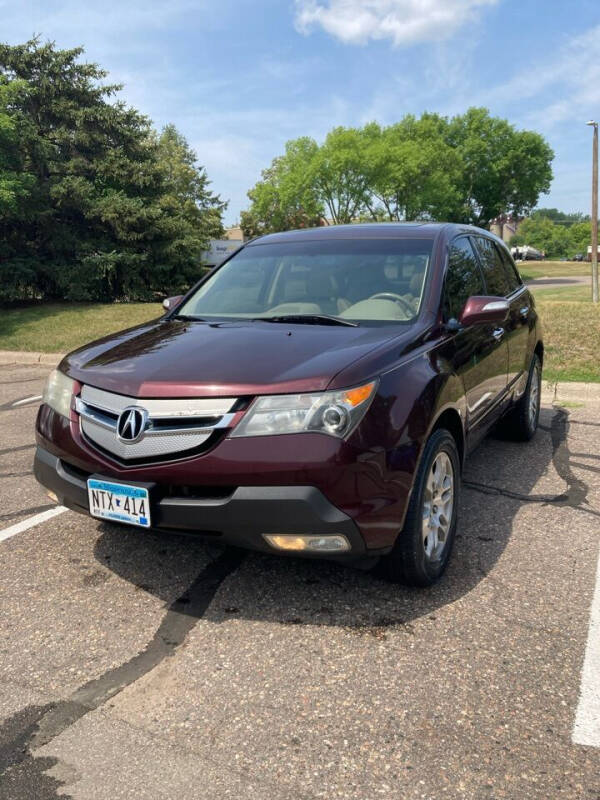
371,280
514,279
494,273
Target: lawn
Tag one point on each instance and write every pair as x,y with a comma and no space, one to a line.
60,327
552,269
571,334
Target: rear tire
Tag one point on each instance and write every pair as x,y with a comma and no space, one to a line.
422,549
521,423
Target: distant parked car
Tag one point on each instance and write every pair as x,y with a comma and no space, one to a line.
578,257
316,394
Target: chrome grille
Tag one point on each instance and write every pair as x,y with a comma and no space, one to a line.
173,427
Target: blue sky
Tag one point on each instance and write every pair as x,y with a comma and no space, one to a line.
241,77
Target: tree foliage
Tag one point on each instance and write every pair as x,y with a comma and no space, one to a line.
556,240
286,197
468,168
94,204
560,217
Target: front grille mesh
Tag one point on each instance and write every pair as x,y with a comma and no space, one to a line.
182,425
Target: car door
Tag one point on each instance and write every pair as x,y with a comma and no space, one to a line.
520,319
480,356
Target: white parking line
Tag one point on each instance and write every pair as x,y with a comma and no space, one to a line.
30,522
27,400
587,719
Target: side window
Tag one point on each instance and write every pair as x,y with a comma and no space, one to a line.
495,275
463,278
514,279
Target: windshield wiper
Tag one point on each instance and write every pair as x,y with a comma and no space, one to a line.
309,319
188,318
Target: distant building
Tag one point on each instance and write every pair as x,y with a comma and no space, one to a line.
505,226
234,233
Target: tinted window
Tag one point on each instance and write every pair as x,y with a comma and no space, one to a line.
495,275
463,278
514,279
359,279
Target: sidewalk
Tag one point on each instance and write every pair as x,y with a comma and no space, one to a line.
552,392
26,357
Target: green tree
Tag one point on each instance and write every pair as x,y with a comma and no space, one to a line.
470,168
580,237
544,235
286,197
413,171
16,185
108,212
560,217
190,214
503,170
341,174
556,239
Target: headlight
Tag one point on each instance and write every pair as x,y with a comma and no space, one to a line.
335,413
58,393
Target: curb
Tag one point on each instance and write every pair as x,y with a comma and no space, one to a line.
570,392
552,391
30,357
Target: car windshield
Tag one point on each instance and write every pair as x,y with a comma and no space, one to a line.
358,280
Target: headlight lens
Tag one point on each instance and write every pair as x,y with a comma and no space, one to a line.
335,413
58,393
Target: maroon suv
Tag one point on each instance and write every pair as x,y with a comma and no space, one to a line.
316,394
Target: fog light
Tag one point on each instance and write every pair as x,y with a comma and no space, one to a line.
52,496
323,544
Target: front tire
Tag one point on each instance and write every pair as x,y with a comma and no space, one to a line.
423,547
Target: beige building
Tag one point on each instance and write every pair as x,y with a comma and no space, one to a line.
505,226
234,234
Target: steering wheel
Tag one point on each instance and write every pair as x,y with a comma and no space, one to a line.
396,298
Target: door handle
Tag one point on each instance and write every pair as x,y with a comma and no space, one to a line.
524,311
498,333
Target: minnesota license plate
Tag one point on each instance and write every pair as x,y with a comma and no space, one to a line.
119,502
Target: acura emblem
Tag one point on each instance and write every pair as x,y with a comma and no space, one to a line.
132,424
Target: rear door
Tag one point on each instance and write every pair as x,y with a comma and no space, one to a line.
502,283
480,356
519,322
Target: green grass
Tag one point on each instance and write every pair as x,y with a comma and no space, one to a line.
60,327
571,334
552,269
571,294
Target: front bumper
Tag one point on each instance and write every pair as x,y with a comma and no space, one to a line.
240,518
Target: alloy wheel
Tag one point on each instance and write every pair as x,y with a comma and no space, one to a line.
534,397
438,504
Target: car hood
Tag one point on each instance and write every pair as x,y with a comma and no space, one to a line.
171,357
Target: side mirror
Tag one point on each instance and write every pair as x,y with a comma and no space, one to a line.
480,309
169,303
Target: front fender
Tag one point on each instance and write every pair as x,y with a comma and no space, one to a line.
411,398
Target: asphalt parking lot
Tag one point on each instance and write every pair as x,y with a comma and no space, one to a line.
139,666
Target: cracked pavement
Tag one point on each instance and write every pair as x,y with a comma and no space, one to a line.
137,665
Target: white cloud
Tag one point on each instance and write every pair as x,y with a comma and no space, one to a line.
405,22
563,87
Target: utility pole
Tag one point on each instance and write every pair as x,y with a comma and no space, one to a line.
595,213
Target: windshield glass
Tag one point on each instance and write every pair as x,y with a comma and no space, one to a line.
376,280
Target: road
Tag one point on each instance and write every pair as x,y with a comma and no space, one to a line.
568,281
141,666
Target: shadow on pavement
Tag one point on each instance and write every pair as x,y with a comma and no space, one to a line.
499,478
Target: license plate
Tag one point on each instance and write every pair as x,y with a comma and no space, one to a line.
119,502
